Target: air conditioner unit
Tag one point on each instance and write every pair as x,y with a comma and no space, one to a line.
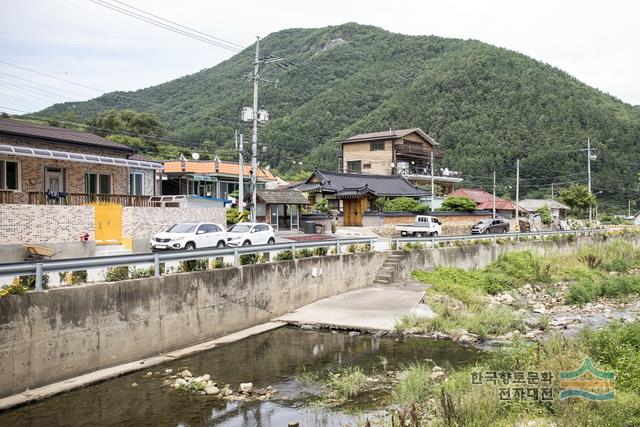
247,114
263,116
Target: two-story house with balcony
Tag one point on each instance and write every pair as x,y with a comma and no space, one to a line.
407,152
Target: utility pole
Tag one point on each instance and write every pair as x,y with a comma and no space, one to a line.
552,191
254,135
629,210
432,183
253,115
494,194
589,174
518,194
240,173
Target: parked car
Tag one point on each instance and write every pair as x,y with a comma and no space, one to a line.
490,226
250,233
189,236
423,225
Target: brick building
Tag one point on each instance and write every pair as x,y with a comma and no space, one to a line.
42,164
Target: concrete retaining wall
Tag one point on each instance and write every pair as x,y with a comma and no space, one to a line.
64,332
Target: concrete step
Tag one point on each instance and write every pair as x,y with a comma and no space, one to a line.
390,265
384,276
381,281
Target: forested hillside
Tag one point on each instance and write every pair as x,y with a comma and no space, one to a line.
486,105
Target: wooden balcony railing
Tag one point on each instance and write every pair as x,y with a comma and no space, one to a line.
38,198
6,197
418,150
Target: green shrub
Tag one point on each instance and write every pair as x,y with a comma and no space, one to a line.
320,251
284,255
141,273
619,287
347,383
116,274
545,214
494,321
458,203
219,263
415,386
304,253
29,281
192,265
323,206
13,289
582,293
404,204
249,259
234,216
409,246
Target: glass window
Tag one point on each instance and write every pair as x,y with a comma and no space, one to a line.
97,183
104,184
240,228
354,166
8,175
376,146
181,228
136,180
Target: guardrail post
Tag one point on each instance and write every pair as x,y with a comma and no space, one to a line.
293,251
156,265
338,250
539,235
236,257
39,277
433,242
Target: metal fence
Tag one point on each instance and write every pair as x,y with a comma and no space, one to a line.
40,268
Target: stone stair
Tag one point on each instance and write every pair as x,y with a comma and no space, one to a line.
389,271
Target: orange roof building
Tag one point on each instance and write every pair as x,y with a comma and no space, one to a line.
212,178
484,200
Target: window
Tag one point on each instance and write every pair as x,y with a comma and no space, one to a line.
354,166
136,180
97,183
376,146
8,175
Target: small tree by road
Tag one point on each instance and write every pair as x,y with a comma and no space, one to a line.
578,198
458,203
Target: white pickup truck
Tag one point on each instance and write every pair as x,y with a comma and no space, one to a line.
423,226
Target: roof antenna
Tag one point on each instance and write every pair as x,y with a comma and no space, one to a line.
392,128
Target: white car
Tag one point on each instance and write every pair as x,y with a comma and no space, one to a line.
250,233
189,236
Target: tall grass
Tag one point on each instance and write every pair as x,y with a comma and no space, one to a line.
416,385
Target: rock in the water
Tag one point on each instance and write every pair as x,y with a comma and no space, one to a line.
180,383
168,371
212,390
245,388
134,385
467,339
186,374
205,377
148,374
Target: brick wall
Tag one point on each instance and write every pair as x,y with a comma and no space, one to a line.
21,224
145,222
32,170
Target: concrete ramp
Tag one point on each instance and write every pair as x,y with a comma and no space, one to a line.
373,309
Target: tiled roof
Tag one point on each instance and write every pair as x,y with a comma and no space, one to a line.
209,167
477,195
293,197
400,133
381,185
52,133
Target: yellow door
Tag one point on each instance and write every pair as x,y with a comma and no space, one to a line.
108,219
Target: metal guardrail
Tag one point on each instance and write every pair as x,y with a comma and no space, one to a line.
40,268
517,236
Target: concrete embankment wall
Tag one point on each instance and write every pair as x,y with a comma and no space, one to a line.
64,332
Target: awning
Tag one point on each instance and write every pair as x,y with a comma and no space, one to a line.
202,178
76,157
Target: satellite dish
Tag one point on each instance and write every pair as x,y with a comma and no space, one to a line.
195,156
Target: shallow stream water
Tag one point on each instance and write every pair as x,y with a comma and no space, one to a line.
274,358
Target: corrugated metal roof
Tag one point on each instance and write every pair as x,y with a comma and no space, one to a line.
20,128
209,167
484,200
291,197
381,185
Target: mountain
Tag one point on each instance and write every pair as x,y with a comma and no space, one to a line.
487,106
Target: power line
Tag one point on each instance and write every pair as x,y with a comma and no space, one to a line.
180,25
165,25
42,84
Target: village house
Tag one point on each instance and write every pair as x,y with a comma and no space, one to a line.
210,178
484,202
42,164
406,152
355,193
558,210
280,208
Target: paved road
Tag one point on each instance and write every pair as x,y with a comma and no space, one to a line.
374,308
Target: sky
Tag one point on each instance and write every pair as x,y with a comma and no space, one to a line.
88,44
